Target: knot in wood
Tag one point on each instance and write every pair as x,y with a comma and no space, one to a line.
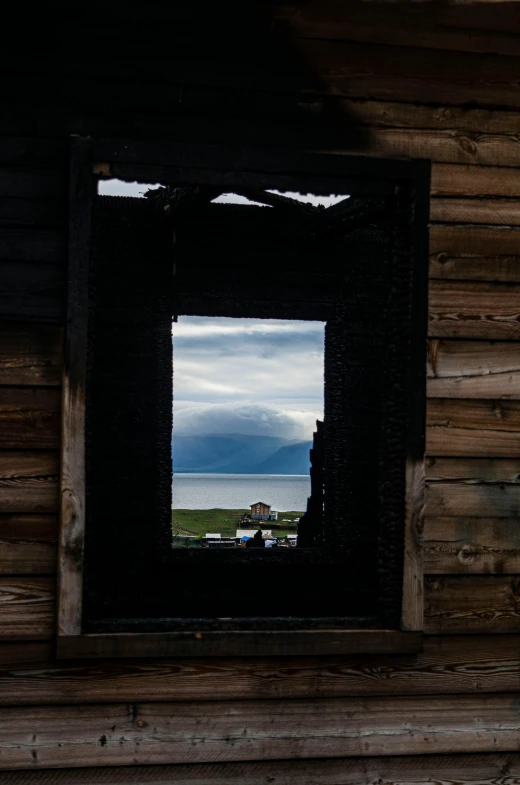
466,555
468,145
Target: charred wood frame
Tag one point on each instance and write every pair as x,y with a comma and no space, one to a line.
388,211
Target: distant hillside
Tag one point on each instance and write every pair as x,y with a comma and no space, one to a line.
290,459
239,454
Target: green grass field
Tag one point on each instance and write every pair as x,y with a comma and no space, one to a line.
225,522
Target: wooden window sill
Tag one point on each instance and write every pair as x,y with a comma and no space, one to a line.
239,643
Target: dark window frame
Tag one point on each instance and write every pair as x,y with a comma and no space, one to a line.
405,180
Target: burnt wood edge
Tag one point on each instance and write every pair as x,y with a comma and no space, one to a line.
412,608
238,643
181,163
72,495
109,154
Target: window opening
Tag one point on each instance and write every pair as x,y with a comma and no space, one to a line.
324,262
247,395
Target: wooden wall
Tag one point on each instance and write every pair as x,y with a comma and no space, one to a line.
435,82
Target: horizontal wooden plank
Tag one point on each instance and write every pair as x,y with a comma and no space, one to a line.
441,146
459,309
343,68
470,240
27,609
427,27
33,213
247,643
409,74
471,545
450,664
33,245
392,114
499,470
471,267
20,652
31,291
33,526
472,603
29,481
29,417
487,769
468,181
31,152
192,732
27,557
28,544
475,211
473,429
445,146
30,355
18,183
480,501
486,253
473,369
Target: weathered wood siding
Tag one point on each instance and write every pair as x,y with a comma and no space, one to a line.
439,83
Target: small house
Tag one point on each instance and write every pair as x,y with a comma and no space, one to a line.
260,511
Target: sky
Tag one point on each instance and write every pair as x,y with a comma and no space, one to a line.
247,376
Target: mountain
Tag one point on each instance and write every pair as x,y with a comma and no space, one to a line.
291,459
239,454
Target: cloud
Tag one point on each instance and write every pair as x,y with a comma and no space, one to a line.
251,418
225,360
253,376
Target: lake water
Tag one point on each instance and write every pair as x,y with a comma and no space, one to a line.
239,491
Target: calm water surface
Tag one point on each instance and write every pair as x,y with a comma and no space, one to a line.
239,491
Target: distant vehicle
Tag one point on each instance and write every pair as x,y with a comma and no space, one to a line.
286,520
296,520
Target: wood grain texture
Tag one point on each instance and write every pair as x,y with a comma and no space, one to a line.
426,26
475,211
473,470
459,309
247,643
29,481
472,603
31,292
27,557
491,241
27,608
488,769
159,733
30,355
72,482
479,500
472,545
473,369
452,664
28,544
473,429
29,418
391,114
413,599
411,74
23,652
486,253
443,146
467,180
